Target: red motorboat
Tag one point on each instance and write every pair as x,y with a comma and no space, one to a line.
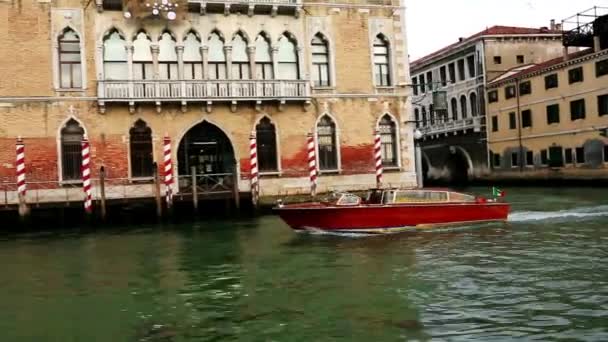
392,210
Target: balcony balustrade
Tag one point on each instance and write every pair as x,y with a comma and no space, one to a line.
207,91
446,127
251,7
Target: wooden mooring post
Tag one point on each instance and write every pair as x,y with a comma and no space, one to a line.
159,205
102,192
194,189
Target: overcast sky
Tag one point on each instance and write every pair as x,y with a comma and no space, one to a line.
433,24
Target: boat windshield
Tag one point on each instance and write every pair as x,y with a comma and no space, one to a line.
346,199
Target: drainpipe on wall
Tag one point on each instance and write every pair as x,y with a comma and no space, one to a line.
518,121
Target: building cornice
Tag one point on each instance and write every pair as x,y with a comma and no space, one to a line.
558,66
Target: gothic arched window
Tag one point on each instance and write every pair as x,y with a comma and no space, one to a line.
167,58
327,144
287,59
388,138
217,57
70,67
263,59
193,65
115,65
320,61
140,145
142,57
240,58
71,150
382,70
267,145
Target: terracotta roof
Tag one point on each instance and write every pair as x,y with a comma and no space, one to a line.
538,67
492,31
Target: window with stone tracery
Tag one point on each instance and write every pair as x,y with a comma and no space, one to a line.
167,58
193,65
320,61
263,58
287,59
217,57
142,57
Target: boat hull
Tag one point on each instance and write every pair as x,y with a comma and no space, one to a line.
388,219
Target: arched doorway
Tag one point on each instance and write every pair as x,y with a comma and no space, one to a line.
458,166
206,148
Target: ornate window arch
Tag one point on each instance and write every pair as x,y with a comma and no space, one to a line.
389,141
193,62
463,106
263,57
217,56
327,143
142,57
70,60
320,61
115,60
167,57
288,63
474,105
381,54
140,148
240,57
454,105
266,136
71,150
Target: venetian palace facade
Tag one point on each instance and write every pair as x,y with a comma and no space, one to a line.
206,74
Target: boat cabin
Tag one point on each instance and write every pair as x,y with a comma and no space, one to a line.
400,196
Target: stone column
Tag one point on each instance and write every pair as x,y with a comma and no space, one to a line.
251,54
179,49
300,53
155,51
205,60
130,49
275,62
228,53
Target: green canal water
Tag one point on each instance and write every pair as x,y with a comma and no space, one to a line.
543,276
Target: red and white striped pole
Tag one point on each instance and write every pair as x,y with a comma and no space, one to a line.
253,155
86,175
20,165
378,158
168,170
312,164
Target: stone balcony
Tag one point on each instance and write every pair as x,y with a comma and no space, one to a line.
202,91
477,124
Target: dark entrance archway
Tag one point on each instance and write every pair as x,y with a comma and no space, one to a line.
206,148
458,166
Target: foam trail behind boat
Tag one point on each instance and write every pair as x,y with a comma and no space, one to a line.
576,213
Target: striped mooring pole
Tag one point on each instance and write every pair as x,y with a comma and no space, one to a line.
168,171
20,165
378,158
255,181
86,175
312,164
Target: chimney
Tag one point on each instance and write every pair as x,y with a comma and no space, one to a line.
558,27
461,39
552,26
565,53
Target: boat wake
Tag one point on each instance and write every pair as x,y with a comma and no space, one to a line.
576,213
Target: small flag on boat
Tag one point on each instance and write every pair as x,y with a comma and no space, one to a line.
496,192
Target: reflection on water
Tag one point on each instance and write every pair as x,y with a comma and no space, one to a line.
541,276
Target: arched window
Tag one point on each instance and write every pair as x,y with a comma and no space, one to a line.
388,138
473,100
167,57
217,57
326,144
382,72
263,59
71,150
417,116
70,67
140,144
320,61
115,57
240,58
142,57
267,145
454,105
432,114
423,116
193,66
463,106
287,59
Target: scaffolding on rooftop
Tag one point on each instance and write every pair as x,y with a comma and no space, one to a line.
579,29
